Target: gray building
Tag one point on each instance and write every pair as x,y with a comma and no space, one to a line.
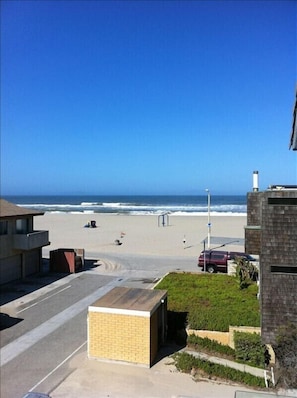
271,232
20,245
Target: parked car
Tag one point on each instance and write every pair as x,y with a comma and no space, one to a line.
214,261
217,260
233,255
36,395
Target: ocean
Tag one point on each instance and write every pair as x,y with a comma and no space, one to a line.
234,205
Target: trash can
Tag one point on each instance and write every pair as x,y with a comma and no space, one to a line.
66,260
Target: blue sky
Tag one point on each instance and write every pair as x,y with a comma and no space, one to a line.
146,97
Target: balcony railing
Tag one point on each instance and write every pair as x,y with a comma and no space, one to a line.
31,240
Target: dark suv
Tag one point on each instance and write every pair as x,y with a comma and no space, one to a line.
218,260
233,255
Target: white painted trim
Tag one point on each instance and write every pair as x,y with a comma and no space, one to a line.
119,311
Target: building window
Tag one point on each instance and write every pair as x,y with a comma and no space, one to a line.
283,269
3,227
283,201
22,226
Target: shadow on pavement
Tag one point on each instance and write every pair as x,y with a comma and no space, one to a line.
16,289
7,321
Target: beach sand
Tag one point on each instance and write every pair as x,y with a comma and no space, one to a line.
141,235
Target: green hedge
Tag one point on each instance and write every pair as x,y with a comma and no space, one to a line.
285,349
184,362
250,350
210,346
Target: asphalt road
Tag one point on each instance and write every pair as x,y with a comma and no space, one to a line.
39,346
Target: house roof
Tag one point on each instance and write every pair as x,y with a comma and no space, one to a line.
129,300
293,140
8,209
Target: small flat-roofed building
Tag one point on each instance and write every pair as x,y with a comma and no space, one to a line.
128,325
20,245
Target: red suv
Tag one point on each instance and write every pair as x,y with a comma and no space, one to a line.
218,260
214,261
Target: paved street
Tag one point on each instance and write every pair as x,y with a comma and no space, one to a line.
49,325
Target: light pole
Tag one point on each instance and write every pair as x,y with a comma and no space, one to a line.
208,219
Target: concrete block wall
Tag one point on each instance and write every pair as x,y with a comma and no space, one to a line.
119,337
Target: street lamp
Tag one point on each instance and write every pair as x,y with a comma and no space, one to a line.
208,219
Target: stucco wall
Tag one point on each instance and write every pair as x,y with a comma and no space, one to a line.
220,337
226,338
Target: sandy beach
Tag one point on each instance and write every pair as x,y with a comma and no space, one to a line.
138,234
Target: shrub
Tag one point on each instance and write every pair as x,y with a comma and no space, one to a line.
185,362
286,353
246,272
249,349
210,346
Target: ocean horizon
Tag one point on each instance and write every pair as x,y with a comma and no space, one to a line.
231,205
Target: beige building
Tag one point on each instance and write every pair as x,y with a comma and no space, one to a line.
128,325
20,245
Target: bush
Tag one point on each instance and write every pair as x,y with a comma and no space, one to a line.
246,272
249,349
210,346
286,352
185,362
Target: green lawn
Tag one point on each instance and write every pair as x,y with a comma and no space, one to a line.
212,301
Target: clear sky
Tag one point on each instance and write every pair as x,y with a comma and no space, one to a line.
146,97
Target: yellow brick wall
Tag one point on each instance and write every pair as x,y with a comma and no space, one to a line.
119,337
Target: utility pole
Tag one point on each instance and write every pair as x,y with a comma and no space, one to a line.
208,219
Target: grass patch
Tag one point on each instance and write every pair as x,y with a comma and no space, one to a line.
212,301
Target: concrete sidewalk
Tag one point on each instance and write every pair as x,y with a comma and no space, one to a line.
226,362
100,379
